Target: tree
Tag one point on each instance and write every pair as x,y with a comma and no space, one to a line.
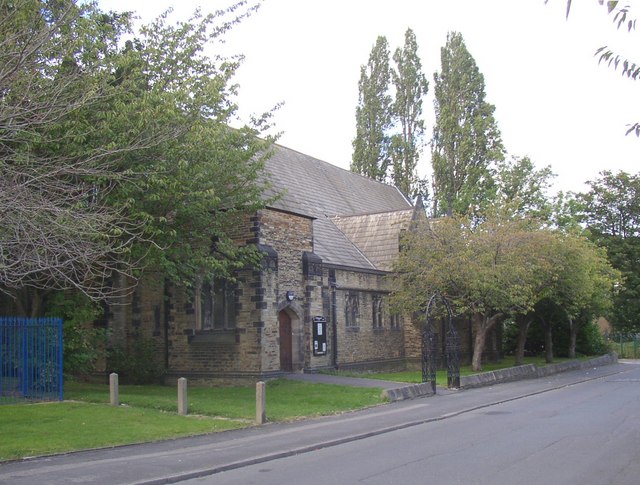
371,155
523,189
119,156
611,212
466,140
196,187
483,269
612,205
411,85
542,267
54,59
581,288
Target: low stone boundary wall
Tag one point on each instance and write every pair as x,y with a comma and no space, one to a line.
408,392
528,371
531,371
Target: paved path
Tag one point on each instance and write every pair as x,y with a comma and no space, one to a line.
182,459
345,381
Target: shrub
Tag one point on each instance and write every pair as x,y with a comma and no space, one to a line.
589,340
135,363
83,343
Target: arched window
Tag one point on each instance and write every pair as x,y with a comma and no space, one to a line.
376,311
215,305
351,309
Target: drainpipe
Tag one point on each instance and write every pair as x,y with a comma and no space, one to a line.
334,318
167,314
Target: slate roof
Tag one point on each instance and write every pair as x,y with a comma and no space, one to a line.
376,235
356,220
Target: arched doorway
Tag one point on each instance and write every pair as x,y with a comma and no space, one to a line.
286,342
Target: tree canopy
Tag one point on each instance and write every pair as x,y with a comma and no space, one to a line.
466,141
389,129
371,156
498,268
116,154
611,212
411,86
484,270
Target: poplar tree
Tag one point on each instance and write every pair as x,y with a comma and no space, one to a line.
466,140
373,115
411,85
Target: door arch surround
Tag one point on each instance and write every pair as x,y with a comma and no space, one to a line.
289,335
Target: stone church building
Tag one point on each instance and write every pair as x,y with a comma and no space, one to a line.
319,301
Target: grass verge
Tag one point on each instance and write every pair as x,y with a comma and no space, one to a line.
149,413
46,428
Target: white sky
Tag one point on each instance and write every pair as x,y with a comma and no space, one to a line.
553,102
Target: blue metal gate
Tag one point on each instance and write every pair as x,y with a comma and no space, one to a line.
30,359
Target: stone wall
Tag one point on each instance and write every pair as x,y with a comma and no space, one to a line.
362,344
292,279
290,236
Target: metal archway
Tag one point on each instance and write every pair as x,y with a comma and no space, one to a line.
430,346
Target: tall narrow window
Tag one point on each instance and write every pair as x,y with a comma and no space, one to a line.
376,311
351,309
394,321
216,304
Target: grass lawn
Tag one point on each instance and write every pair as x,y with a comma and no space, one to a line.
41,429
415,377
149,413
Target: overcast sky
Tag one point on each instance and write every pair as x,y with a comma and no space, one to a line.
553,102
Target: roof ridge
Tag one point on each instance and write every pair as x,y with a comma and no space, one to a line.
334,167
362,214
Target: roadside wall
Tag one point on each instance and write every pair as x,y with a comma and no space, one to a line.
531,371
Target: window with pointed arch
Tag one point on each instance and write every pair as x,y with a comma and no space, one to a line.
351,309
394,321
377,311
215,305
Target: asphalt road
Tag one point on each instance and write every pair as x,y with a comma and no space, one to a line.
587,433
576,427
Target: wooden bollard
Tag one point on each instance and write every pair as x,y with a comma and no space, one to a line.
183,406
261,403
114,392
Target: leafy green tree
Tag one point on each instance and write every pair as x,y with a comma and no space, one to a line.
371,152
411,86
611,212
524,189
542,266
55,59
116,156
83,343
483,269
581,288
194,188
565,212
466,141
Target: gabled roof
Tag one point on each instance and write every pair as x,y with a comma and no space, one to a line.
315,188
357,220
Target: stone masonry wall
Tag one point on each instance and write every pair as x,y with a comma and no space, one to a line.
290,236
363,343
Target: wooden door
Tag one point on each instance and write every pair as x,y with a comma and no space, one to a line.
286,352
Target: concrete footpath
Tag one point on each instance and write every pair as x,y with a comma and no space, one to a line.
181,459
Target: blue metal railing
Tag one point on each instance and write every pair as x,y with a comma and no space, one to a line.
30,359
